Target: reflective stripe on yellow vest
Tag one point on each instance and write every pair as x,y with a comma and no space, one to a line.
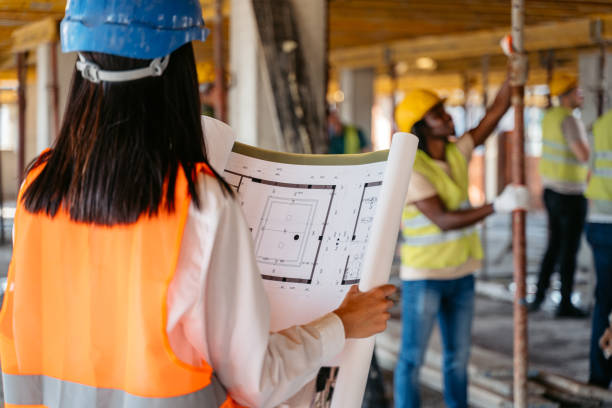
352,145
600,183
84,318
425,245
558,162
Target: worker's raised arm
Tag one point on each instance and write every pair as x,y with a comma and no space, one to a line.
512,198
493,115
434,209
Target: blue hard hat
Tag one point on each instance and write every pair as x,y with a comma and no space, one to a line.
143,29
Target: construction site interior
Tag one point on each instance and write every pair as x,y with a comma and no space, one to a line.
360,58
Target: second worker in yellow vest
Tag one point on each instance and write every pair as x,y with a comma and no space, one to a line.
565,152
441,247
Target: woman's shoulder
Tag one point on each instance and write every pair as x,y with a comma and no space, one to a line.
214,197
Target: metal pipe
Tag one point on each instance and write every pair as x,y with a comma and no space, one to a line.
393,78
518,79
601,86
465,81
220,91
484,272
21,100
54,91
550,68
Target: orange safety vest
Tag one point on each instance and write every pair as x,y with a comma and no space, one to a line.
84,317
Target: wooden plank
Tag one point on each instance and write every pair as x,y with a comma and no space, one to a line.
31,35
468,45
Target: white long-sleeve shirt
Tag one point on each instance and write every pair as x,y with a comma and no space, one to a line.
218,310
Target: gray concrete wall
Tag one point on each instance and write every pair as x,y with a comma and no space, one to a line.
588,65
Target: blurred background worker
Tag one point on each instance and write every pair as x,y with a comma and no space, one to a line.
343,138
133,280
441,248
599,235
565,152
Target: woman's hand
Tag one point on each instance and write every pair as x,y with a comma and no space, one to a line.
365,313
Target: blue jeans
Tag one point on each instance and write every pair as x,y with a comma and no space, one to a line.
600,239
452,301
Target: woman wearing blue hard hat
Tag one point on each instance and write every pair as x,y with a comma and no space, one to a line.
133,281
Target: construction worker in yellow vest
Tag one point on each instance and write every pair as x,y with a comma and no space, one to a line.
599,235
441,247
565,152
344,138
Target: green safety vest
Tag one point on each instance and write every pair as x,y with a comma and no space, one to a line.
558,162
425,245
352,145
600,183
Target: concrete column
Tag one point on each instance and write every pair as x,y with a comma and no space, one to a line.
589,70
358,88
43,97
311,16
244,68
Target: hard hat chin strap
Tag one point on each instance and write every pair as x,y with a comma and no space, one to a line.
93,73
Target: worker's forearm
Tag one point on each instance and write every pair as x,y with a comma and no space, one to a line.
457,219
502,99
494,114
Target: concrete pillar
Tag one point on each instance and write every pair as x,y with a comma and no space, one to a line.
358,88
311,16
252,110
43,97
589,71
244,68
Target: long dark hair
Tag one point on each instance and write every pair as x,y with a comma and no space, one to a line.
120,143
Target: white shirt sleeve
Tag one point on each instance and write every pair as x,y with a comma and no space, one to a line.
218,311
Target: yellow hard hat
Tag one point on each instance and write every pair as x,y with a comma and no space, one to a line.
414,107
561,83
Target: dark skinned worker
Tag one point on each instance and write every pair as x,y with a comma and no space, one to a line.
441,248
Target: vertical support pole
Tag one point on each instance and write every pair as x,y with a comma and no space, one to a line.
393,78
466,90
220,85
1,199
326,59
518,80
54,91
21,100
485,103
601,86
550,68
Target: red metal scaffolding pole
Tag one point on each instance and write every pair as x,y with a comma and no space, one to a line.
518,79
220,97
21,100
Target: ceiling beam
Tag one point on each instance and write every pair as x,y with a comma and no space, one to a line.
569,34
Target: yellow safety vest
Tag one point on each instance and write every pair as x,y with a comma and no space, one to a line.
352,145
599,189
558,162
425,245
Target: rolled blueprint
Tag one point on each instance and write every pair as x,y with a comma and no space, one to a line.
357,355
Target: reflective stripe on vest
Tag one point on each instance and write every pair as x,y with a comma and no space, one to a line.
425,245
558,162
437,238
599,189
84,318
52,393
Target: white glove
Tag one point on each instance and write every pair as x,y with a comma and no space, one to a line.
512,198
